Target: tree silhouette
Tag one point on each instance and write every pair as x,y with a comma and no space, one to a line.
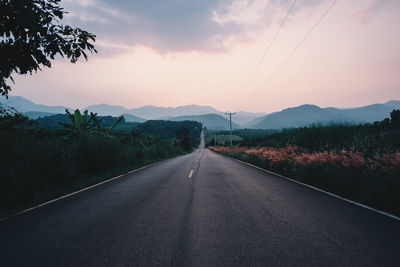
31,35
395,118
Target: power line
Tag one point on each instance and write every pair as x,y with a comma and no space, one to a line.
268,48
298,46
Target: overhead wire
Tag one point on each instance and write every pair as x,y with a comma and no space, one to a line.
297,47
268,47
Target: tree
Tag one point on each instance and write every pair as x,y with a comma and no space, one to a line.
83,123
183,138
395,118
31,35
80,122
10,118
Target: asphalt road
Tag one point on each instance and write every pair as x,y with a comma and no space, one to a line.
200,209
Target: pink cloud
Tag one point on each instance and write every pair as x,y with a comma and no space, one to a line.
366,15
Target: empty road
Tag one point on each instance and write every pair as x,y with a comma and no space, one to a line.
200,209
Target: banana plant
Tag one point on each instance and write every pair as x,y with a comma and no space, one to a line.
153,139
138,137
97,123
79,122
83,123
111,128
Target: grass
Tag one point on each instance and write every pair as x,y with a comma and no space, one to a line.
222,139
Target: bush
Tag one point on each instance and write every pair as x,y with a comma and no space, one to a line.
38,164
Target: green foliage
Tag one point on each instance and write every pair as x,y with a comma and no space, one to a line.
10,118
98,123
247,134
223,138
138,138
79,122
183,139
37,163
168,129
32,35
383,136
112,127
395,119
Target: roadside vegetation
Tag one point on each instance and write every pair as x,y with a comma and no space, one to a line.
359,162
38,163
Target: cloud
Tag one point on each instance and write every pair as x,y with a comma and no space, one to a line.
375,7
175,25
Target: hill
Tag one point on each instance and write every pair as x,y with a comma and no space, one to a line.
288,118
153,112
211,121
394,104
296,117
307,114
33,115
132,118
370,113
107,110
140,114
22,105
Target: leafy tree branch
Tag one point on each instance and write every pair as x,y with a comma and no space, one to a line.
31,35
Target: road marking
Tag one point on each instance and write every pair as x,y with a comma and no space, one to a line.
79,191
197,160
317,189
190,174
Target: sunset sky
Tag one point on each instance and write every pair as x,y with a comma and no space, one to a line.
179,52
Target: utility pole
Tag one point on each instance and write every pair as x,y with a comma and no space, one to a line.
230,121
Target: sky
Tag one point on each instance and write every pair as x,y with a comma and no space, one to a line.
181,52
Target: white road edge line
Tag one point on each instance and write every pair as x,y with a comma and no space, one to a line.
320,190
79,191
190,174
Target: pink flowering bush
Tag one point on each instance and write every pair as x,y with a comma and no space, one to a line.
388,163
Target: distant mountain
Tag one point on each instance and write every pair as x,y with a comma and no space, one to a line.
107,110
307,114
142,113
22,105
368,113
132,118
243,117
296,117
33,115
394,104
165,113
211,121
287,118
153,112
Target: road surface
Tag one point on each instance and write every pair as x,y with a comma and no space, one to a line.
200,209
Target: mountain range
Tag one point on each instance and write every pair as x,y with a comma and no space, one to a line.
307,114
211,121
214,119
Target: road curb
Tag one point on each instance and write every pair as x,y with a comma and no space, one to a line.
315,188
81,190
